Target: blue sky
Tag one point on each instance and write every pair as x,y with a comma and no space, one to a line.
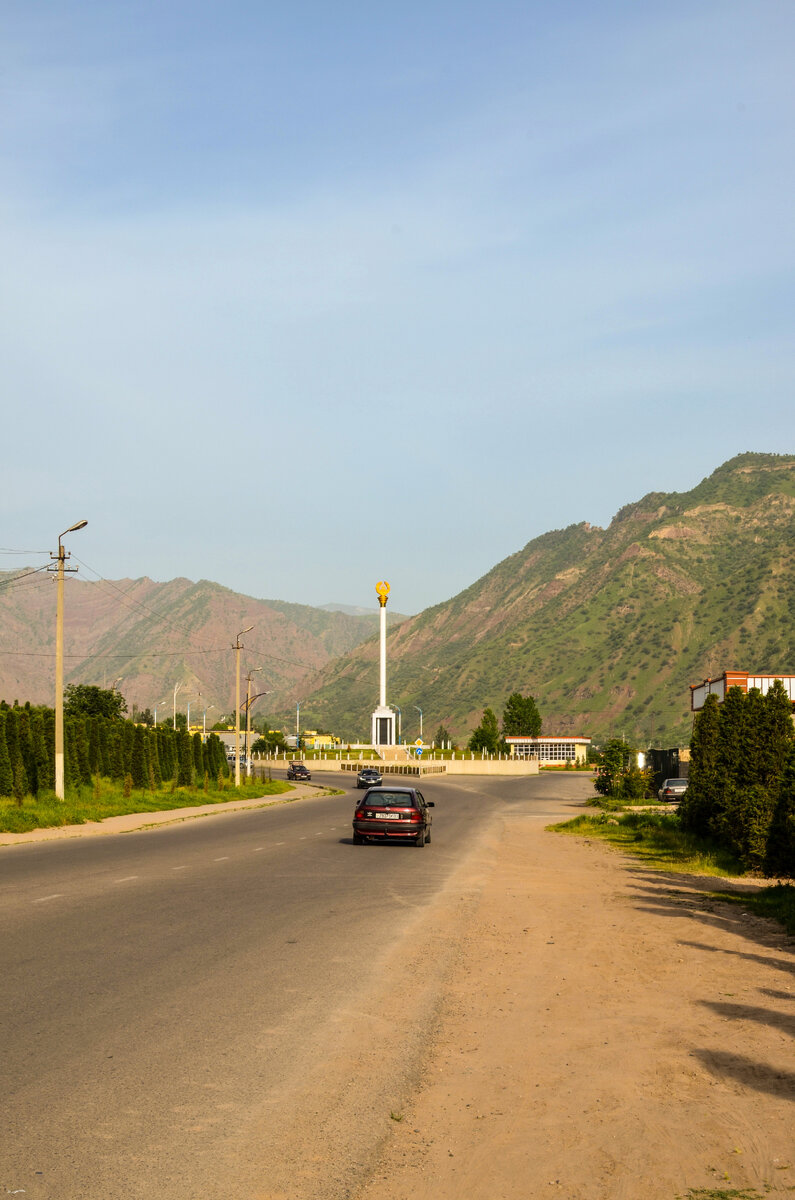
299,297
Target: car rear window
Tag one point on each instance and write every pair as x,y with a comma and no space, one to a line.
383,799
675,782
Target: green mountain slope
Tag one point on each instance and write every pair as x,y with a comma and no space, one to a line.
605,627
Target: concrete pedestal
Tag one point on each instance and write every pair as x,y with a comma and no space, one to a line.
382,726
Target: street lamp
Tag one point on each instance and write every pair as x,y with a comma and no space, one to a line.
419,710
61,558
204,722
400,720
176,689
156,708
253,671
237,648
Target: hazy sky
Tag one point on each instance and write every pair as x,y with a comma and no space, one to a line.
297,297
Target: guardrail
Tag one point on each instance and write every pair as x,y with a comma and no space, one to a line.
401,768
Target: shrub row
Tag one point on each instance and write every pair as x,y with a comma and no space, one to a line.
741,788
96,745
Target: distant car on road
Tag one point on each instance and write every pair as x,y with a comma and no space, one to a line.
368,777
297,770
392,814
672,791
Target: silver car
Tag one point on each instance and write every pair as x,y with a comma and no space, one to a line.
672,791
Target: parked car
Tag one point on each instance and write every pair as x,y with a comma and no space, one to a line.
298,770
392,814
672,791
368,777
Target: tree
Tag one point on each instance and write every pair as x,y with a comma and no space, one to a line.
487,735
780,856
442,737
617,758
521,717
6,770
702,797
84,700
139,766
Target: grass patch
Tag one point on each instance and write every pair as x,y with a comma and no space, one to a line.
722,1194
659,840
92,803
776,902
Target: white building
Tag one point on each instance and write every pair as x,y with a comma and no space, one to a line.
550,749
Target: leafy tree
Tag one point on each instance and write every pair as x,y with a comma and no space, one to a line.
198,755
702,797
487,735
617,757
442,736
521,717
780,853
185,759
153,758
6,770
139,767
84,700
45,767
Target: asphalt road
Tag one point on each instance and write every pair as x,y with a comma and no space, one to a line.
165,995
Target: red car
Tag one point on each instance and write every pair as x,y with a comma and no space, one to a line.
392,815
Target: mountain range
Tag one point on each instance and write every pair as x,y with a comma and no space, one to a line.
606,628
147,636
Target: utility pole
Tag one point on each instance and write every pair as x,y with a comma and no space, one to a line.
176,689
237,648
61,558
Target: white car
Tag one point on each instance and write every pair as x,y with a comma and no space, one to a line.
672,791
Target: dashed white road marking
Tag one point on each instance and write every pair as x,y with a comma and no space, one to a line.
223,858
179,868
279,843
54,896
126,878
256,848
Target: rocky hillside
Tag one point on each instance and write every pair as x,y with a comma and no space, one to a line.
154,635
605,627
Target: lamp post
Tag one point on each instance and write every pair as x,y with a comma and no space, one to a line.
253,671
400,721
237,648
419,710
156,708
176,689
204,722
298,724
61,558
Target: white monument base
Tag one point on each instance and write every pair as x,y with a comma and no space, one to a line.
382,726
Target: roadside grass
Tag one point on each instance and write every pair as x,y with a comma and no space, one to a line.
103,798
722,1194
660,842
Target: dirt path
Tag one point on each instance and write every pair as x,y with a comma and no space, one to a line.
608,1032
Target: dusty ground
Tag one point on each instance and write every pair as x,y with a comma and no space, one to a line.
607,1032
570,1024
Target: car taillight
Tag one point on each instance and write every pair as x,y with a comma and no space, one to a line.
415,815
359,814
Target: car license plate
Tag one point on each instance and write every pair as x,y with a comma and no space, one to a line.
387,816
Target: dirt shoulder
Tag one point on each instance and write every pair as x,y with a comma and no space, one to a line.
608,1032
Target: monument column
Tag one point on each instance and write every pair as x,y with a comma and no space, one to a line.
383,718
